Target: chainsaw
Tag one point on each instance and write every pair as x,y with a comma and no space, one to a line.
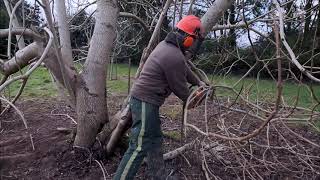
198,95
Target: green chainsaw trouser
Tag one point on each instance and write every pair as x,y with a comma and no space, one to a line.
145,141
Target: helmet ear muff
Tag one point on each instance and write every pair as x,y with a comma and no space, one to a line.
188,41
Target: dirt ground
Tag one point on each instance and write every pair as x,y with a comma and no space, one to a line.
54,158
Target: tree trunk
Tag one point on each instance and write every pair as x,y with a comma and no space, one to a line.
308,17
214,13
290,15
65,46
318,32
114,128
123,116
91,106
152,43
64,33
232,33
67,81
307,21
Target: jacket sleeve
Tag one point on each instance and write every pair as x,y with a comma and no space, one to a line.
177,80
192,78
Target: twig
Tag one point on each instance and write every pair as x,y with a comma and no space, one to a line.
31,139
102,169
22,117
173,154
18,111
66,115
205,171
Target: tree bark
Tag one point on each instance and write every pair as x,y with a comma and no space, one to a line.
22,58
307,21
67,81
318,32
290,15
214,13
92,112
232,33
64,33
65,48
308,17
152,43
26,32
123,116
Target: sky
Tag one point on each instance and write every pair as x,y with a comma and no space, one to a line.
242,40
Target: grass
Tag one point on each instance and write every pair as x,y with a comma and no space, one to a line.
40,85
120,84
175,135
265,90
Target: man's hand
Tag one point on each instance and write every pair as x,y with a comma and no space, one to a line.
203,84
197,97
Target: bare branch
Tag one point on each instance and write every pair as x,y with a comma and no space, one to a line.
152,41
10,26
293,58
130,15
23,31
15,23
173,154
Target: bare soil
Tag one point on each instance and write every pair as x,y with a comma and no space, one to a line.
54,158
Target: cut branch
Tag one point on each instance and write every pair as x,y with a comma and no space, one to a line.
27,74
22,58
173,154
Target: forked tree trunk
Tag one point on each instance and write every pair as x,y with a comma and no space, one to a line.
119,123
122,118
91,107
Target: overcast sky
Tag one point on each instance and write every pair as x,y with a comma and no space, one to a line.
77,5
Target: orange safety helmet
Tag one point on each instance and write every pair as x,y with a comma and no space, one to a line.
192,26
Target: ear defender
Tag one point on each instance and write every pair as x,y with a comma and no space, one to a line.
188,41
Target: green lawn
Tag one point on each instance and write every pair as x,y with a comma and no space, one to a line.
40,85
120,84
265,90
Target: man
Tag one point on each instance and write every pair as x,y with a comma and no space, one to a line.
165,71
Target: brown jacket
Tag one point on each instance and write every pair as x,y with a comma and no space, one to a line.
165,71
